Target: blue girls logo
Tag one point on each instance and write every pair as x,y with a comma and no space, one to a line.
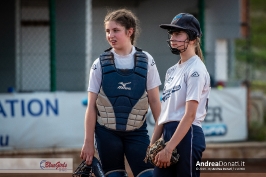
167,93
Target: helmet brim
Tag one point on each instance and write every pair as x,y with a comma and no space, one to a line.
170,27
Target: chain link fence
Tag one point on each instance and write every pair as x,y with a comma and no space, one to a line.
35,66
77,47
34,50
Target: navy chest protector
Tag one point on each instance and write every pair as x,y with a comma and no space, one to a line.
122,102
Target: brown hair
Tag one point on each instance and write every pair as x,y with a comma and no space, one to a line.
198,49
125,18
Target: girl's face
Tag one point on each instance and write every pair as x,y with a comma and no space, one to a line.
178,39
116,35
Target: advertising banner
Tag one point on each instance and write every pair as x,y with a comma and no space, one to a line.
227,115
45,120
42,120
36,165
226,119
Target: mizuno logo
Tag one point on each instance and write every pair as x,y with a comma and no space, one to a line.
123,86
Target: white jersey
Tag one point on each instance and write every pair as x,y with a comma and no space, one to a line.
184,82
123,62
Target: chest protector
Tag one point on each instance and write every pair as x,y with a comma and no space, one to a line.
122,102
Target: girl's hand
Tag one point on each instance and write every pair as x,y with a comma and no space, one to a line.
162,159
87,152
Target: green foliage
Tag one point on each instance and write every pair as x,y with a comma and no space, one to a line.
257,132
252,51
241,50
256,55
258,5
258,85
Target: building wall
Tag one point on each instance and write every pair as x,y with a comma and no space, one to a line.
7,45
70,45
153,38
25,45
222,21
33,49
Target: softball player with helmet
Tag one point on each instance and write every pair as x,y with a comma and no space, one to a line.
123,83
184,101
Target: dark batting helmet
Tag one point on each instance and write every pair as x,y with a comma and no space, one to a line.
185,22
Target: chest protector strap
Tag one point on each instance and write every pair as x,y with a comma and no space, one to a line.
122,102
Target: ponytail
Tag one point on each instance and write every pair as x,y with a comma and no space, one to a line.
198,49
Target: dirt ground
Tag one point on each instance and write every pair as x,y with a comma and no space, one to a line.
131,175
202,175
212,151
233,175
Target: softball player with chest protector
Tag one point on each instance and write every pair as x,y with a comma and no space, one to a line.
184,101
123,83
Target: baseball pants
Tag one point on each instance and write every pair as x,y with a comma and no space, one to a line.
190,150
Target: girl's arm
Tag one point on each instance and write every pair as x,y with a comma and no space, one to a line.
157,132
184,125
163,157
87,151
155,104
154,101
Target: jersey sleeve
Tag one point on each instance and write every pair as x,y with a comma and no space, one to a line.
196,80
153,78
95,78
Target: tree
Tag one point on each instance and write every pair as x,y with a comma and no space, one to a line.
256,56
